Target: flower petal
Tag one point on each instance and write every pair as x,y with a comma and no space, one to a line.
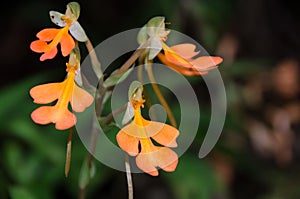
128,143
49,55
46,93
64,119
179,69
173,57
43,114
146,130
67,44
77,32
205,63
167,136
81,99
56,17
38,46
185,50
47,34
162,157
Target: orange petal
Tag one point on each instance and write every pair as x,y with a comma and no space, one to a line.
205,63
173,57
46,93
49,55
43,114
64,119
162,157
128,143
182,70
38,46
47,34
67,44
146,130
186,51
167,136
81,99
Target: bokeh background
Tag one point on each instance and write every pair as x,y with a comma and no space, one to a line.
258,153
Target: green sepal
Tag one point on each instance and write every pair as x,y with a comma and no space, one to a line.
135,91
73,9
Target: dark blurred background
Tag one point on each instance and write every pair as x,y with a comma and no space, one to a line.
258,153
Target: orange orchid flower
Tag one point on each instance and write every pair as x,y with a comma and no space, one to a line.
65,92
49,38
181,59
141,131
56,36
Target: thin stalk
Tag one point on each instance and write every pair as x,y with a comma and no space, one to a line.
129,179
137,53
68,154
94,59
159,95
110,116
98,105
140,74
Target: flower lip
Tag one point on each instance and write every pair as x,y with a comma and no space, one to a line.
140,131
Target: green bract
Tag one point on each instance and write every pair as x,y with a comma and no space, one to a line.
135,91
73,9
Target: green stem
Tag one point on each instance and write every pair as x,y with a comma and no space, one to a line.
94,59
137,53
160,95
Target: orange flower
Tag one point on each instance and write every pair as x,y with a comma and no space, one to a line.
140,131
65,92
54,36
181,59
49,38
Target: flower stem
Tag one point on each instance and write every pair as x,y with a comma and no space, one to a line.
160,96
137,53
98,105
94,59
129,179
110,116
68,154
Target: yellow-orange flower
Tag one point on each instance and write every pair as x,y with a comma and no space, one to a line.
54,36
181,59
65,92
49,38
141,131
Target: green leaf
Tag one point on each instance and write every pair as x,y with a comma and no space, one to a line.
20,193
117,78
73,9
135,91
86,174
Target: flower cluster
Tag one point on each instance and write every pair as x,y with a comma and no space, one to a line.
67,91
150,142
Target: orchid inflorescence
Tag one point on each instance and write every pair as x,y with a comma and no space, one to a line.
135,138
